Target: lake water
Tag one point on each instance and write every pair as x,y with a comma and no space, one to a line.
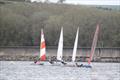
26,70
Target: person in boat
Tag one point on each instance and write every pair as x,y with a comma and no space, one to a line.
81,65
51,61
35,61
86,66
38,63
63,62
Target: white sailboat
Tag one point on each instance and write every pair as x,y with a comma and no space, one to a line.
73,64
60,46
60,50
75,46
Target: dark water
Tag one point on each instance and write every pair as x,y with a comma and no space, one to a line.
25,70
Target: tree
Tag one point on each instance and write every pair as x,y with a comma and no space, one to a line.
61,1
47,1
20,24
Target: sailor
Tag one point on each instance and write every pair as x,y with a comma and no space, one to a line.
35,61
63,62
51,61
88,66
81,65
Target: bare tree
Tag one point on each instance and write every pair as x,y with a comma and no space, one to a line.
47,1
61,1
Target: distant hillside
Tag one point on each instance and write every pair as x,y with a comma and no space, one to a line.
21,22
108,7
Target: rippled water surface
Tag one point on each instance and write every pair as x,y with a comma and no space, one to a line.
25,70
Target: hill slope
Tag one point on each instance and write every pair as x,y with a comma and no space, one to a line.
20,24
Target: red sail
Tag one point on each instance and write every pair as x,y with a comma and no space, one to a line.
94,44
42,47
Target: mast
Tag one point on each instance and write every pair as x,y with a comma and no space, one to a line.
42,47
75,46
94,44
60,46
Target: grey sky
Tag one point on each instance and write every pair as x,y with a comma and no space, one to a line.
92,2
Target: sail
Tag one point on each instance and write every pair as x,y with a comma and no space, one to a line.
60,46
75,46
42,47
94,44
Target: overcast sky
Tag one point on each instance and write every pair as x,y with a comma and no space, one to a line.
92,2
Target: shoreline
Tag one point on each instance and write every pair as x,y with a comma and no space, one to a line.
67,59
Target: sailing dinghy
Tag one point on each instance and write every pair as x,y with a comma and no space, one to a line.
74,50
42,55
75,46
94,43
60,49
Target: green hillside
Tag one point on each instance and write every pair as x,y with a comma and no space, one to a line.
20,24
108,7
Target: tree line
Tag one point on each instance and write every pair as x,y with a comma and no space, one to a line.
21,22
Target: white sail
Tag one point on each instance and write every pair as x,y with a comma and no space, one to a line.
75,46
60,46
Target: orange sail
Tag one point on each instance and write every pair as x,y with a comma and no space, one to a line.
42,47
94,44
